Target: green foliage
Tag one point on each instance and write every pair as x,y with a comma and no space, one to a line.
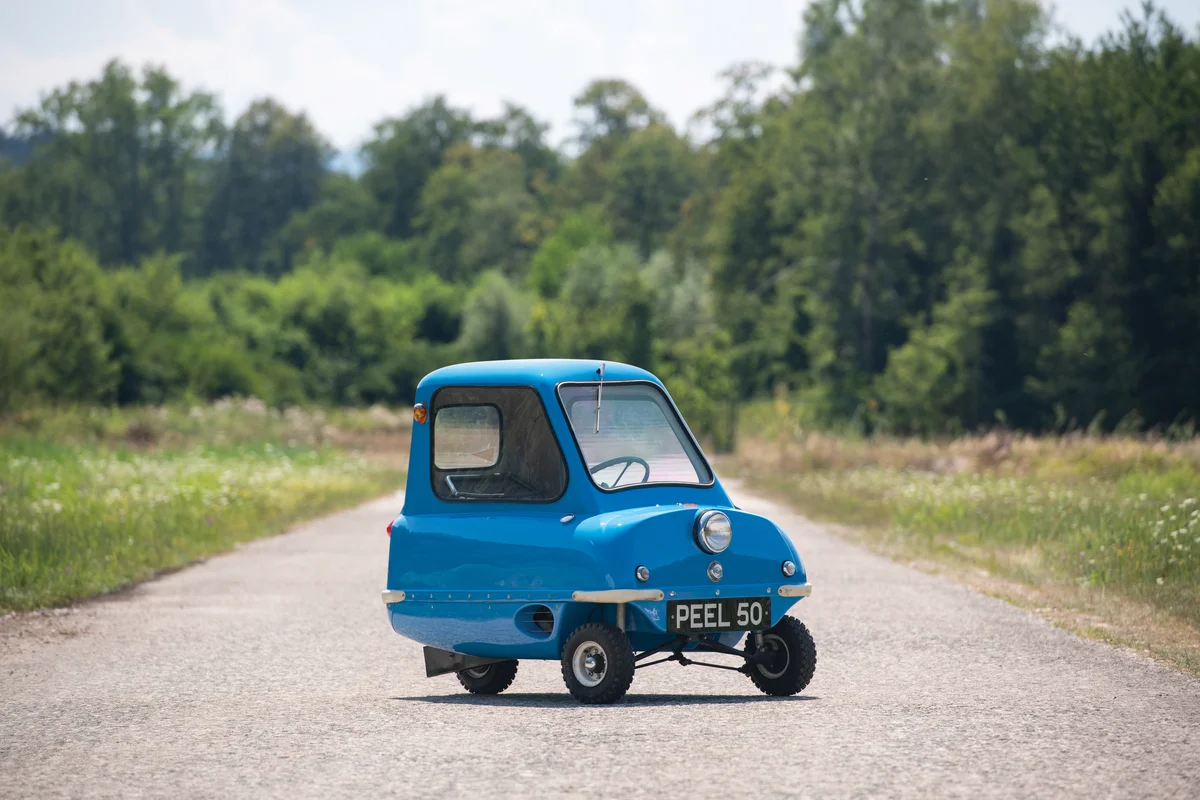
1115,514
273,169
651,174
942,217
403,154
120,165
345,209
934,377
1088,366
549,265
494,327
476,213
53,344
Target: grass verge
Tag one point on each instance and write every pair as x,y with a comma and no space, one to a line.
93,500
1098,535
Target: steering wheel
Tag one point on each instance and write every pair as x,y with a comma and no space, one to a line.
627,461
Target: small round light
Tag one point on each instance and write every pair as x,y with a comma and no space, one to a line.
642,573
789,568
420,413
715,571
714,532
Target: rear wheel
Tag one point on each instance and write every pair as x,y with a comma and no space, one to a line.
597,663
788,660
490,678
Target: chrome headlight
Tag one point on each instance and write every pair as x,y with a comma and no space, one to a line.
789,568
713,531
642,573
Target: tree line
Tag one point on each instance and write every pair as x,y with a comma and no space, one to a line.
944,215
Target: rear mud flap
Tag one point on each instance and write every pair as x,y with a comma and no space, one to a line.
442,662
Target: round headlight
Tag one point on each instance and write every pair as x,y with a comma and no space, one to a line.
789,568
715,571
642,573
713,531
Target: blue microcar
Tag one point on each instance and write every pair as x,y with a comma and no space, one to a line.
562,510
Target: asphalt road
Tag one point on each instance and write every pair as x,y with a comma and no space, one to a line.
271,671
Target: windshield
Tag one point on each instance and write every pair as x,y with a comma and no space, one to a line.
641,439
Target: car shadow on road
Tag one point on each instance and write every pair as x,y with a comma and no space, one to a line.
564,700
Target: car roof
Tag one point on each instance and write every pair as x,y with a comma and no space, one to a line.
544,373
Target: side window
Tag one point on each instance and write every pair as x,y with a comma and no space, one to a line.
494,444
468,437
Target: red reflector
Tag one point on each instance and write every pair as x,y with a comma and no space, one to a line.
389,529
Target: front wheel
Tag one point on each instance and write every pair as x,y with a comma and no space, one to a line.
789,661
490,678
597,663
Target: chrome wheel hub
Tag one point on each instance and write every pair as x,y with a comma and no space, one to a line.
589,664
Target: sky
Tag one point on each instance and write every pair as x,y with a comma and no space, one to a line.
349,64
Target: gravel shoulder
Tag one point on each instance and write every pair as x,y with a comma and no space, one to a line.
271,671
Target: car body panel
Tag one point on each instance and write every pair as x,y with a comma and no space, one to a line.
475,572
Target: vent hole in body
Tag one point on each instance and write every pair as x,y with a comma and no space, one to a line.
536,621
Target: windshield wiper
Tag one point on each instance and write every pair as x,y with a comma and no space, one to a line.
599,389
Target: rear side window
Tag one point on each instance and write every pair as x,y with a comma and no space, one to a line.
468,437
494,444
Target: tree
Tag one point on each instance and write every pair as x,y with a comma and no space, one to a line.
495,315
344,208
404,152
609,112
549,265
477,214
932,382
52,343
651,174
612,109
272,167
119,162
1087,370
517,131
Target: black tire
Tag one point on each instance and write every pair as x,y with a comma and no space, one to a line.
793,664
490,678
611,666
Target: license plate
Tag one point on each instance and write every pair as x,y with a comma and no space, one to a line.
719,614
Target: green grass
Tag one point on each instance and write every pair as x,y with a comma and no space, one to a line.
1101,528
86,507
1139,535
